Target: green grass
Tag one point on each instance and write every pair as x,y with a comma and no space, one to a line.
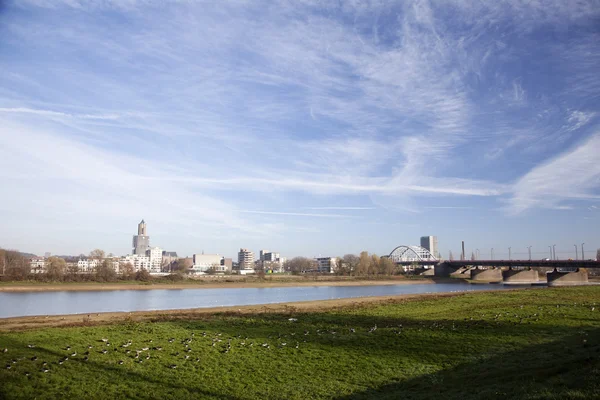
528,344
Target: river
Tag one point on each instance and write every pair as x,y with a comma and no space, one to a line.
22,304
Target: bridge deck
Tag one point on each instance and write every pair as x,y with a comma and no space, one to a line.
510,263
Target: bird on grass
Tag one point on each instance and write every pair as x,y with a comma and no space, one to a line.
172,366
31,346
121,362
5,350
44,370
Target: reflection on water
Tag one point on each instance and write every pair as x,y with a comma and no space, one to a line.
57,303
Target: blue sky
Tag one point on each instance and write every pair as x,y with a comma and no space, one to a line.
304,127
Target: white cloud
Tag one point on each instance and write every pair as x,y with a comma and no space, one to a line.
574,175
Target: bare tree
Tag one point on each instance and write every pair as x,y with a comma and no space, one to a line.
143,275
97,254
374,265
348,264
298,265
386,266
105,271
56,268
15,265
364,261
127,271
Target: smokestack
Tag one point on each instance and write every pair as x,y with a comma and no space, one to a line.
462,257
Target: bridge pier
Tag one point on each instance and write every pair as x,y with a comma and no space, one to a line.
520,276
492,275
557,278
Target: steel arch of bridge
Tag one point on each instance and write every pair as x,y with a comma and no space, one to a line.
411,253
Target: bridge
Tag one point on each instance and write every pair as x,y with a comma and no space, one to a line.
563,271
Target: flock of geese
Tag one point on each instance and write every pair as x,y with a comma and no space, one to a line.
146,350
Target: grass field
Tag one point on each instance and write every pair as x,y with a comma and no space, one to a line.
527,344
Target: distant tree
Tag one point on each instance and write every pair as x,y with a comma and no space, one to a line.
374,265
181,265
298,265
386,266
105,272
72,271
142,275
127,271
14,265
97,254
55,268
348,264
364,261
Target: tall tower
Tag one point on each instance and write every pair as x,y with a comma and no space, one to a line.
141,241
142,229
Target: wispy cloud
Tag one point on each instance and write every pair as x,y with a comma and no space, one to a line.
574,175
296,214
251,107
341,208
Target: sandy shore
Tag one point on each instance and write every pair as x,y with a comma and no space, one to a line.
41,287
25,323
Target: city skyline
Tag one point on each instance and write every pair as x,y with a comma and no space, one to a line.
307,129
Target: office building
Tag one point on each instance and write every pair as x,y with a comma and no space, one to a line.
326,265
205,262
245,260
430,243
156,256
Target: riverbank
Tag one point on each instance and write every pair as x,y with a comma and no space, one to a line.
212,284
478,345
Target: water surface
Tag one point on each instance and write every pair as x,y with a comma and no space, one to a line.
72,302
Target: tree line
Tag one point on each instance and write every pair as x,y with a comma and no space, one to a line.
348,265
14,266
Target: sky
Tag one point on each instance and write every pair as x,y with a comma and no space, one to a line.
302,127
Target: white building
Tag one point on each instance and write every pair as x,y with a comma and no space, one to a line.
204,262
87,266
326,265
245,260
156,255
38,265
138,262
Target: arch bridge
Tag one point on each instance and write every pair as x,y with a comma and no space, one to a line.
410,255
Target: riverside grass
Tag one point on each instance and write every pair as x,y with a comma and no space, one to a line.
524,344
